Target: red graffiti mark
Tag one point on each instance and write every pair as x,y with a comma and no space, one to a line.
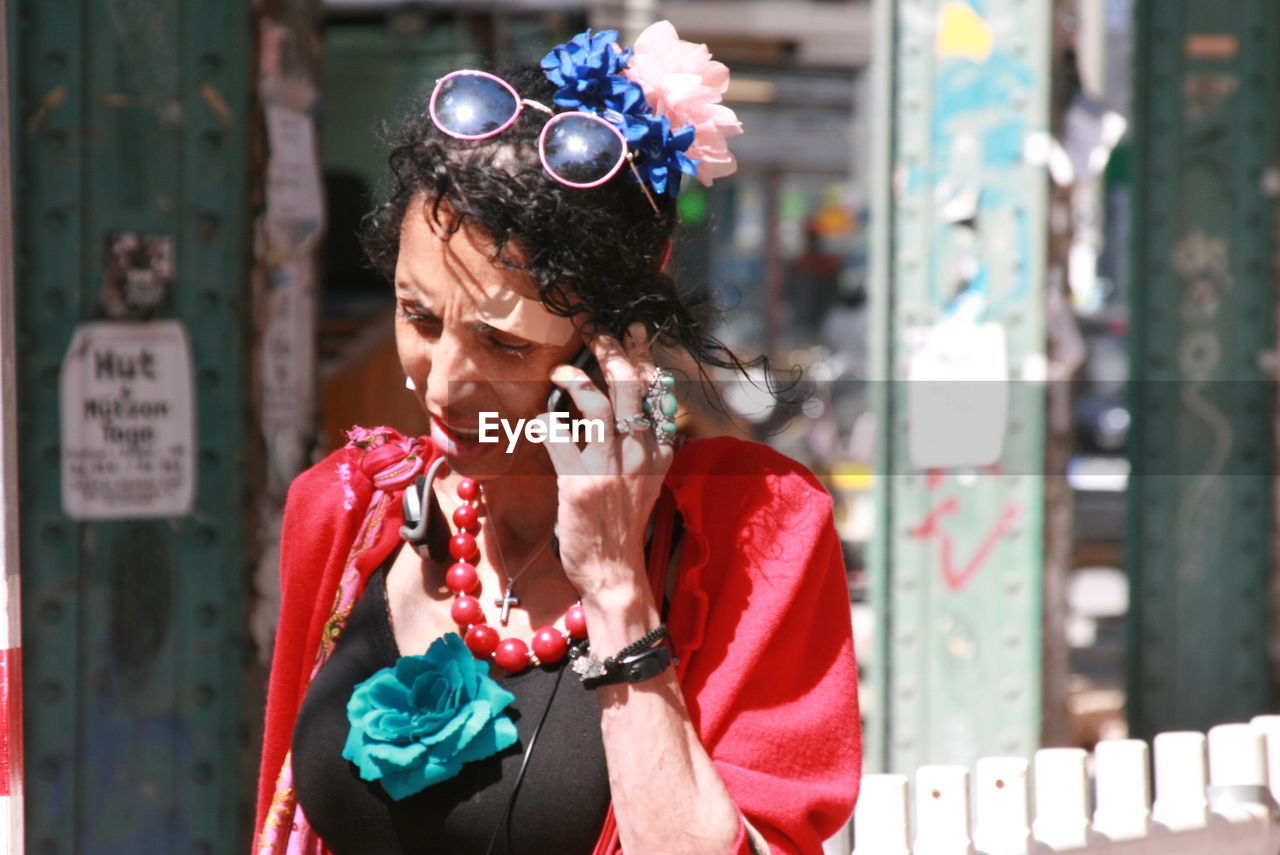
930,528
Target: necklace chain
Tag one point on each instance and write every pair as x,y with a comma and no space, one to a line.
506,601
497,542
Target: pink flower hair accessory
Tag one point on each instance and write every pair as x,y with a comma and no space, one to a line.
683,83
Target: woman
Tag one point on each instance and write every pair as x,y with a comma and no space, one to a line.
627,640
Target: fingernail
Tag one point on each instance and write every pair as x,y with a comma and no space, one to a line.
636,336
562,374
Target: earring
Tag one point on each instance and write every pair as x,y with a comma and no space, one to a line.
408,384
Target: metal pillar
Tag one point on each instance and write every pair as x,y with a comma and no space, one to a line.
1198,545
963,116
10,633
133,118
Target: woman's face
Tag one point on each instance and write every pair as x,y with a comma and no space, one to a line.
473,338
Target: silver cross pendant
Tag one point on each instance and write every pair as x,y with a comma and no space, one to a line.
506,601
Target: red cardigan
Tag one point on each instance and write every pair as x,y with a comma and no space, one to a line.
759,618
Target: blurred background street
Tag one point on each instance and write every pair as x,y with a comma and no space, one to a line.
1025,253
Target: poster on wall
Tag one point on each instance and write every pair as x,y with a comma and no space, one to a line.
128,421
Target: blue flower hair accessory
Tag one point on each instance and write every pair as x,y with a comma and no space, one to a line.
588,70
417,722
665,157
664,97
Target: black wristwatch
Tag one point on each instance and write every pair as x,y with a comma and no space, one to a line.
635,668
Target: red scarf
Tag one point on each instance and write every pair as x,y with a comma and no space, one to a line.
776,688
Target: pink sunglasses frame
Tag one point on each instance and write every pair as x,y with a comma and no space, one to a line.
521,103
558,117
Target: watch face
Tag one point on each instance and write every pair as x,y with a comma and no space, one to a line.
645,666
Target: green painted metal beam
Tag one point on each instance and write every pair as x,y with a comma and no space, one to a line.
134,117
1200,505
956,572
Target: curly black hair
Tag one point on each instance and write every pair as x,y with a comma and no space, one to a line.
599,250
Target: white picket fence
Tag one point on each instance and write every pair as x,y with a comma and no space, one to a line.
1216,802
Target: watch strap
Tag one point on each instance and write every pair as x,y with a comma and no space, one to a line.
635,668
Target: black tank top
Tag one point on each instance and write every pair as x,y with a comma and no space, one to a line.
562,800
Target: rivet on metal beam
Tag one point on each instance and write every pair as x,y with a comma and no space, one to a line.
205,694
207,614
51,533
55,139
211,141
208,224
210,63
51,612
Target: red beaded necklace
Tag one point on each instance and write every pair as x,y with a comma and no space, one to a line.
549,643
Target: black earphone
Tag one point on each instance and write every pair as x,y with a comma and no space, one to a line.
418,501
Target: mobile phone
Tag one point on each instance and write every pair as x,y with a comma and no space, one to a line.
559,400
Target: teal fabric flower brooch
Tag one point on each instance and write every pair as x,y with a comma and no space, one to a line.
416,723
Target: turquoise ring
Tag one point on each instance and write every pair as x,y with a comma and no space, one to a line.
661,406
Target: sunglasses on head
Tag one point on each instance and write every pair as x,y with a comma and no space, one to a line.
577,149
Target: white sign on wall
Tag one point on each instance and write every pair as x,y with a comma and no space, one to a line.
128,421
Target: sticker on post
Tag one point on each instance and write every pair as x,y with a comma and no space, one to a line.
137,275
958,396
128,421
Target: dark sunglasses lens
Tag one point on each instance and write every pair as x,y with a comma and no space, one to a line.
470,105
581,150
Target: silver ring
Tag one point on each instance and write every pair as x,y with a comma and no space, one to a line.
633,423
